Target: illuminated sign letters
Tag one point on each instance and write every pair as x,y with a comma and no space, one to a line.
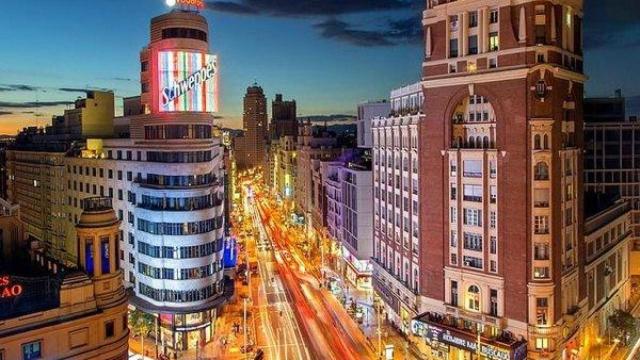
187,81
182,87
8,289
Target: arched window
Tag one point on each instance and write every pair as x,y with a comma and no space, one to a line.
545,142
479,142
485,142
472,142
460,142
542,171
536,142
473,298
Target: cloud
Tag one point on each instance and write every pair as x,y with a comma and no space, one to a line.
231,7
392,32
340,30
611,24
404,31
32,104
18,87
80,90
308,7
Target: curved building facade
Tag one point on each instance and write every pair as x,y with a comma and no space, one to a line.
167,184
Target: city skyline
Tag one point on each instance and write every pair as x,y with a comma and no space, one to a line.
340,45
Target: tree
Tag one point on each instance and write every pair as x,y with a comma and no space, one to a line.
622,322
141,323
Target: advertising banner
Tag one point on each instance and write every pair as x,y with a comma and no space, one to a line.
187,81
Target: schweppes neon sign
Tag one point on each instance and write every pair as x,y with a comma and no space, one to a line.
8,289
179,88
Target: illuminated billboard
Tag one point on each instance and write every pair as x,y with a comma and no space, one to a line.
188,81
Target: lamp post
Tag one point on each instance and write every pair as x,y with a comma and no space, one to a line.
244,327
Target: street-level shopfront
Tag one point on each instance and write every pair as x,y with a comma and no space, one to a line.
358,272
186,331
449,343
397,312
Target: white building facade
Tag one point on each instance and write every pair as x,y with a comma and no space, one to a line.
368,111
396,206
167,185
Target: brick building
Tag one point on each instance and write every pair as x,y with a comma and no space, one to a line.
500,160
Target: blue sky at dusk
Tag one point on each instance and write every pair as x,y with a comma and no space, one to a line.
328,55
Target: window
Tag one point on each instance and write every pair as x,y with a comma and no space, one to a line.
542,311
110,174
492,219
454,293
493,63
493,16
454,168
494,41
493,196
541,224
472,217
454,238
493,245
120,197
119,174
453,48
472,241
541,272
473,193
541,198
542,343
473,298
541,171
109,329
32,350
454,192
454,215
473,262
473,168
473,44
541,251
493,170
493,302
473,19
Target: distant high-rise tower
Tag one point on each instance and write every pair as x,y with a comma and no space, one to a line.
250,148
283,118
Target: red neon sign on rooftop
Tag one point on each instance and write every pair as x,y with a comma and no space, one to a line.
198,4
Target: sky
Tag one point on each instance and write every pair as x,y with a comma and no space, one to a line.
329,55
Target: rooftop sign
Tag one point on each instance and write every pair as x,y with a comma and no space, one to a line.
198,4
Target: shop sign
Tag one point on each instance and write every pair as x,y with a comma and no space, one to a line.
447,337
191,328
8,289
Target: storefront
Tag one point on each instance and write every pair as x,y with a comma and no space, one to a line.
187,331
357,272
453,344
